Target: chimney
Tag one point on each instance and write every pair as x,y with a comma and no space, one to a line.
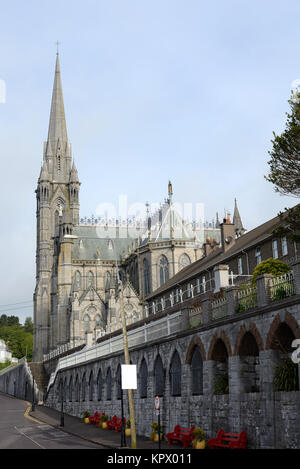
209,246
227,234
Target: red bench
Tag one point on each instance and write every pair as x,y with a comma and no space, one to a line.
228,440
185,435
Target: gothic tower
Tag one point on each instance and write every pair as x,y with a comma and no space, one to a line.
57,197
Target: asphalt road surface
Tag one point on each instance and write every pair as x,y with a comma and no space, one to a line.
20,431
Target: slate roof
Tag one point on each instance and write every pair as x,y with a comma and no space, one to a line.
217,256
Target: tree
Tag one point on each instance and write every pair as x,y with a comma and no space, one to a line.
285,169
28,325
285,155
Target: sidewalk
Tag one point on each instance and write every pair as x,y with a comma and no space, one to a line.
107,439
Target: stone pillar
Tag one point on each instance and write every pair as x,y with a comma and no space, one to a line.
268,360
208,392
206,308
235,388
296,274
221,274
262,286
185,318
231,299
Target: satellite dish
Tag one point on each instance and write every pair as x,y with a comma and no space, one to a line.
228,239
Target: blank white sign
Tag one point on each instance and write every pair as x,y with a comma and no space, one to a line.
128,376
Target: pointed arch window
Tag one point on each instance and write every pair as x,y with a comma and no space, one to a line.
77,389
91,386
159,377
175,375
86,321
90,279
197,372
99,385
108,385
83,393
163,270
98,320
107,280
184,260
146,277
143,379
71,389
78,280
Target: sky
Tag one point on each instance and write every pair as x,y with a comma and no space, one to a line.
182,90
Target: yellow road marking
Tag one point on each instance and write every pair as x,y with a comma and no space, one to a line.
29,416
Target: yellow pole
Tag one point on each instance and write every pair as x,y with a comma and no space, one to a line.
127,361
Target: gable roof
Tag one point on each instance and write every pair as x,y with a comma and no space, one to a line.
218,256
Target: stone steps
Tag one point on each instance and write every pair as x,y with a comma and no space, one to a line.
40,376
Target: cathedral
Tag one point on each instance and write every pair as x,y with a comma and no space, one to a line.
78,261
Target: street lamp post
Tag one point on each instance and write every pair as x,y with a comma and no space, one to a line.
62,418
32,406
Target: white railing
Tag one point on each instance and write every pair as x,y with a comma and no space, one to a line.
152,331
282,286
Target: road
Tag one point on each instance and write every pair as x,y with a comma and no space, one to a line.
19,431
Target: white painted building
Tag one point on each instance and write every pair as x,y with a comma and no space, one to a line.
6,354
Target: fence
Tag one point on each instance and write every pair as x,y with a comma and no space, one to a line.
282,286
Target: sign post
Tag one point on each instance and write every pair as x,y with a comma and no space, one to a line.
157,408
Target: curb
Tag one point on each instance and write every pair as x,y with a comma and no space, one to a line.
79,436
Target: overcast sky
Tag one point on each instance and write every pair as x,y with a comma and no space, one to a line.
185,90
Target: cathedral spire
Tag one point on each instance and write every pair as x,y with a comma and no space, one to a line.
57,125
237,221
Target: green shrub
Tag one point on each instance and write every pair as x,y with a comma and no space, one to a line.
85,415
198,434
286,375
221,384
270,266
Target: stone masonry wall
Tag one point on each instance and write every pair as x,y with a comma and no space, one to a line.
269,418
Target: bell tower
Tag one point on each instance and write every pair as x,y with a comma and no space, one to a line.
57,194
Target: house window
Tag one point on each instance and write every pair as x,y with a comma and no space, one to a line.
275,248
284,246
203,284
198,285
240,266
258,255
